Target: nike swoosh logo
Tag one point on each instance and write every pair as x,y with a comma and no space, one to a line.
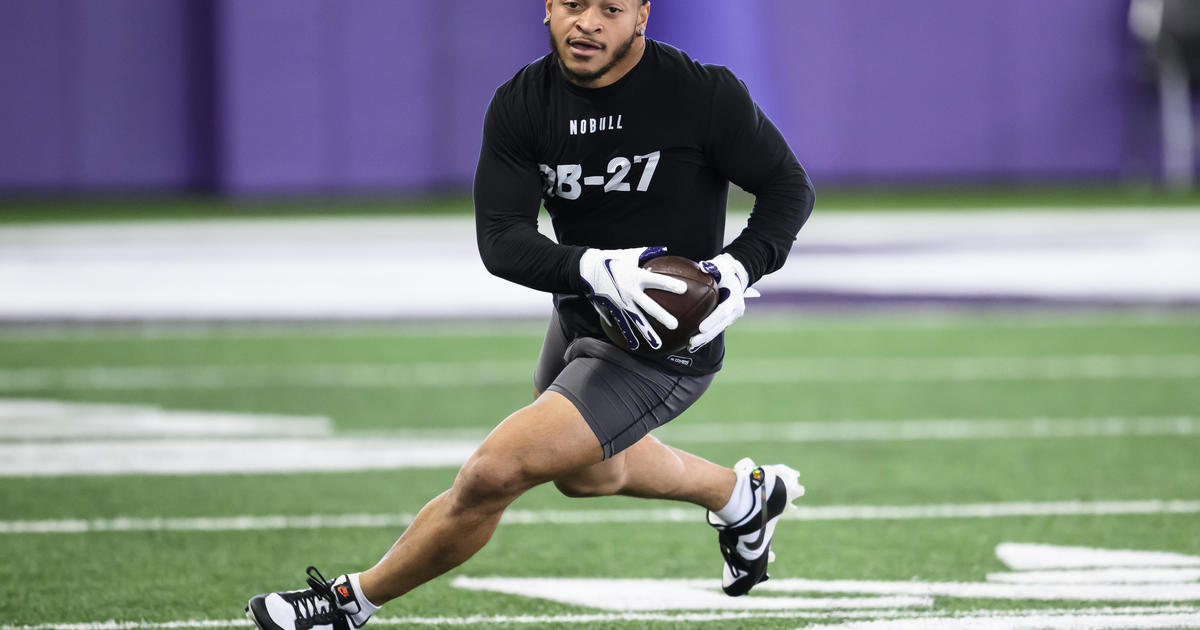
762,530
612,277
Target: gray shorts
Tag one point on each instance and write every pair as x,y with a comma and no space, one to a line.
621,396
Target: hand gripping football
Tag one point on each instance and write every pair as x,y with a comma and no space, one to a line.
689,307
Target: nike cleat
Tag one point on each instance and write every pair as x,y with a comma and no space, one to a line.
746,543
321,606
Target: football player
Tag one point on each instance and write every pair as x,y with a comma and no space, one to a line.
631,146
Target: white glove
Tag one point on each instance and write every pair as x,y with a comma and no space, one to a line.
618,286
732,291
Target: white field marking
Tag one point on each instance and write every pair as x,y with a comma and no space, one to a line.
489,620
630,617
991,510
937,429
589,517
62,422
916,319
48,439
917,369
1026,556
764,614
622,594
685,431
1134,592
641,595
350,375
854,320
1082,620
1097,576
187,331
205,524
219,456
40,419
475,373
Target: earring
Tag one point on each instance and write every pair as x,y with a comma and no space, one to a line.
641,32
546,21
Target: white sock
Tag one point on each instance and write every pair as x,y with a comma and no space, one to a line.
740,502
365,607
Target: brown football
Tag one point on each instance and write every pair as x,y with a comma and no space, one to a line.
690,307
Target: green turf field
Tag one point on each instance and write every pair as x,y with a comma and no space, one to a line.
925,441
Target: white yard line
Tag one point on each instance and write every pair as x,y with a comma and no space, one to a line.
55,438
519,372
1037,557
484,620
650,594
1082,620
941,429
936,320
856,321
458,329
587,517
117,455
1098,576
993,510
918,369
687,431
224,455
350,375
1010,616
27,419
1172,592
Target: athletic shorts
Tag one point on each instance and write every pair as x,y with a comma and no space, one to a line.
620,396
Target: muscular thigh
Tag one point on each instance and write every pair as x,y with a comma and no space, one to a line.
542,441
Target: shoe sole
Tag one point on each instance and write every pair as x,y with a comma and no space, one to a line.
252,606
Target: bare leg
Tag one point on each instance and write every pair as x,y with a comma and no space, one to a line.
652,470
539,443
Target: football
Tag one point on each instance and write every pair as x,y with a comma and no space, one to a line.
690,307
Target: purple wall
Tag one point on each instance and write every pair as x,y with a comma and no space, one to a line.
930,88
98,95
370,95
388,95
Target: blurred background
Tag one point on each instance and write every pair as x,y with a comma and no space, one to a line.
386,97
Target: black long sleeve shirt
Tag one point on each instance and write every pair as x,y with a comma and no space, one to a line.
644,161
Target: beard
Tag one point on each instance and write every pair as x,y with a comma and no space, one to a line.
584,78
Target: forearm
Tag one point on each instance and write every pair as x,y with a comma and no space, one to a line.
521,254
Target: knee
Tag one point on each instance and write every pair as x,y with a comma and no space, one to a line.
590,485
489,480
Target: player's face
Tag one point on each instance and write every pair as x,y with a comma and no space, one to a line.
597,40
